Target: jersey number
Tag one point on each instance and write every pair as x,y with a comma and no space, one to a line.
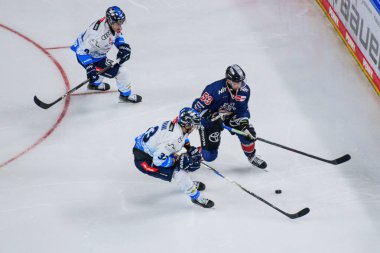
206,98
151,131
162,156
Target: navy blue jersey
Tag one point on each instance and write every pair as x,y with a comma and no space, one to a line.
216,97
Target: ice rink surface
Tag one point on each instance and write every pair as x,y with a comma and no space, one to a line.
67,178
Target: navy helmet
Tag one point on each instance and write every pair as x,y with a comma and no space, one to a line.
115,15
189,118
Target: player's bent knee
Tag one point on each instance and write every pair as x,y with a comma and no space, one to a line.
209,155
165,174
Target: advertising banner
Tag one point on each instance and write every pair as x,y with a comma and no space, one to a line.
358,24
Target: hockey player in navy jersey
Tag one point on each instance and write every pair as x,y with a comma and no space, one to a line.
92,46
155,154
226,102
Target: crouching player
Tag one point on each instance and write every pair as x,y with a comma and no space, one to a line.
155,154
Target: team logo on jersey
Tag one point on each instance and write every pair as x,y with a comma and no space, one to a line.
244,88
171,146
222,90
94,43
106,35
229,107
240,98
214,137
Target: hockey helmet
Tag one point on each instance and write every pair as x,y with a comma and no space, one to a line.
189,118
235,73
115,15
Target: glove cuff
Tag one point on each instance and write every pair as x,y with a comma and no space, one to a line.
125,45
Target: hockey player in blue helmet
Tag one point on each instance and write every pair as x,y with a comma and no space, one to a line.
155,154
92,46
226,102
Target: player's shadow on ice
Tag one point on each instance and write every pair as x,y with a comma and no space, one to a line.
162,199
238,170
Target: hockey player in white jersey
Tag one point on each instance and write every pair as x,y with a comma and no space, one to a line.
92,46
155,154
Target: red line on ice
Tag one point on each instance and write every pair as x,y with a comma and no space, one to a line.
67,100
93,93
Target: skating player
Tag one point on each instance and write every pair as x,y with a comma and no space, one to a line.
225,102
92,46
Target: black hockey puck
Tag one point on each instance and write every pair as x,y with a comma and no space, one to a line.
278,191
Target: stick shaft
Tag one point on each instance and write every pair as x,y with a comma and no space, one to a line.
46,106
292,216
335,161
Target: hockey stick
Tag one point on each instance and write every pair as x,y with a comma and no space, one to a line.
337,161
299,214
46,106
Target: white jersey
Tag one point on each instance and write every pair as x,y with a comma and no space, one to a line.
162,142
96,41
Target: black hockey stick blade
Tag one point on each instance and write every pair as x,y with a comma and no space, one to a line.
42,104
301,213
342,159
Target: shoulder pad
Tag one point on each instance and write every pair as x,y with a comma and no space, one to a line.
213,88
244,87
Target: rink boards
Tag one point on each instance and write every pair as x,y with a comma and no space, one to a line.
358,24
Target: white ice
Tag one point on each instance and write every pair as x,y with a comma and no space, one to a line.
78,190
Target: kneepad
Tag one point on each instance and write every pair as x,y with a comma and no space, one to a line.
209,155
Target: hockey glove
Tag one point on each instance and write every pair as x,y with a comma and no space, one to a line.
194,166
124,53
247,128
91,73
185,162
194,154
195,157
216,119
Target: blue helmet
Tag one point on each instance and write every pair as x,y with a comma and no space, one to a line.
189,118
115,15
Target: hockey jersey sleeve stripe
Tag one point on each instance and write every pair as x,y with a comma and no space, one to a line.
198,106
82,56
138,143
84,59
